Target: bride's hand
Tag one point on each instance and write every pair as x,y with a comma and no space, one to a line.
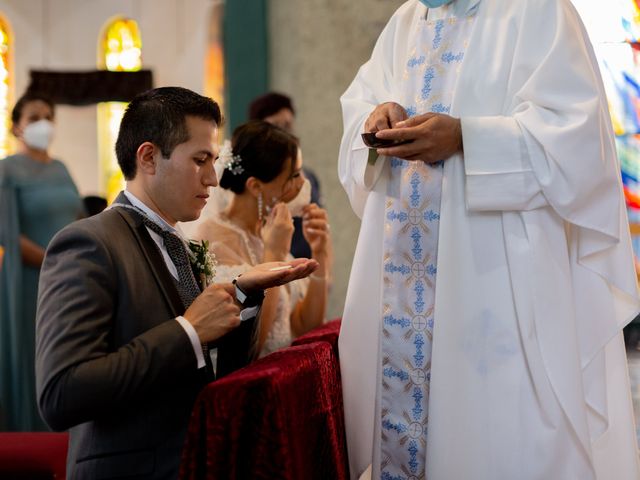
315,228
277,232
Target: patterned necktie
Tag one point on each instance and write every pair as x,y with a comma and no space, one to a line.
188,287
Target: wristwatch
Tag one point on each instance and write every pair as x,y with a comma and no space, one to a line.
247,300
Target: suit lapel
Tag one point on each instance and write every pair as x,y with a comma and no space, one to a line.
154,258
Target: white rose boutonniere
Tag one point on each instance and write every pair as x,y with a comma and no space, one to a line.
203,262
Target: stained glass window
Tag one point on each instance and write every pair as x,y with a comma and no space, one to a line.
6,80
120,49
214,62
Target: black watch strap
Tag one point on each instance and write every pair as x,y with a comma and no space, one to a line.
247,300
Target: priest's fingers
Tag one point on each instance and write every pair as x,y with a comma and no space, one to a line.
415,120
406,133
396,113
381,122
385,116
417,147
420,150
376,121
410,128
420,126
435,139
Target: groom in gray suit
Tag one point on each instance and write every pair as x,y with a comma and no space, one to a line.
122,327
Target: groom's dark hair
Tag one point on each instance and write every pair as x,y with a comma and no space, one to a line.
159,116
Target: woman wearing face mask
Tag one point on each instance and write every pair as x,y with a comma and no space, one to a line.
37,198
262,169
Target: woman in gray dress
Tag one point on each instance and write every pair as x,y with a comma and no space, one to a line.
37,198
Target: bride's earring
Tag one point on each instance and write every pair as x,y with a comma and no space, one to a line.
260,207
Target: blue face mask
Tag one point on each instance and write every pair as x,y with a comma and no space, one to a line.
435,3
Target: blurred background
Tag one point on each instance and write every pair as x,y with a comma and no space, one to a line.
235,51
232,51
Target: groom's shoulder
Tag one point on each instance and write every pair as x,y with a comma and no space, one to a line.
105,221
103,227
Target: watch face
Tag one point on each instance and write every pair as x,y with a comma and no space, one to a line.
252,300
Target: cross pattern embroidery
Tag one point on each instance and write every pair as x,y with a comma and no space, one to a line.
410,244
412,217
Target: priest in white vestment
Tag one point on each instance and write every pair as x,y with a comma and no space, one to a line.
481,337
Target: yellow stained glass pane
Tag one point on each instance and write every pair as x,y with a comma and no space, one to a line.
214,71
120,50
5,87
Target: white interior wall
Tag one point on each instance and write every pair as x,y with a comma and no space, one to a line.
63,35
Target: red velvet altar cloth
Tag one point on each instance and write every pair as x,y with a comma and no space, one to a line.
33,455
325,333
279,418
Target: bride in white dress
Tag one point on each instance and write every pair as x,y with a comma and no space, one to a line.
262,172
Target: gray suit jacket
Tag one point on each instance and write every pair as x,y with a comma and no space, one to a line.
111,363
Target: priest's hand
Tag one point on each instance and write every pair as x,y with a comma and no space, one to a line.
272,274
434,137
386,115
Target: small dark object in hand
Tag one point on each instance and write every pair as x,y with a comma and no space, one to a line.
371,141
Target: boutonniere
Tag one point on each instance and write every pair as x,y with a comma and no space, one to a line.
203,262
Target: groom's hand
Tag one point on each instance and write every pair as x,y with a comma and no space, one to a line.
272,274
213,313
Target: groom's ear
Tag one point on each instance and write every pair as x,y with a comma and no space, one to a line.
146,158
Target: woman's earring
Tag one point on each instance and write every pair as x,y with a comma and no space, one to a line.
260,207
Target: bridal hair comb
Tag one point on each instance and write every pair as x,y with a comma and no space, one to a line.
231,162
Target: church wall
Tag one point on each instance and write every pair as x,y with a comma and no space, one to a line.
63,35
316,48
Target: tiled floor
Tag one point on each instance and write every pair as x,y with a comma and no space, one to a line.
633,357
